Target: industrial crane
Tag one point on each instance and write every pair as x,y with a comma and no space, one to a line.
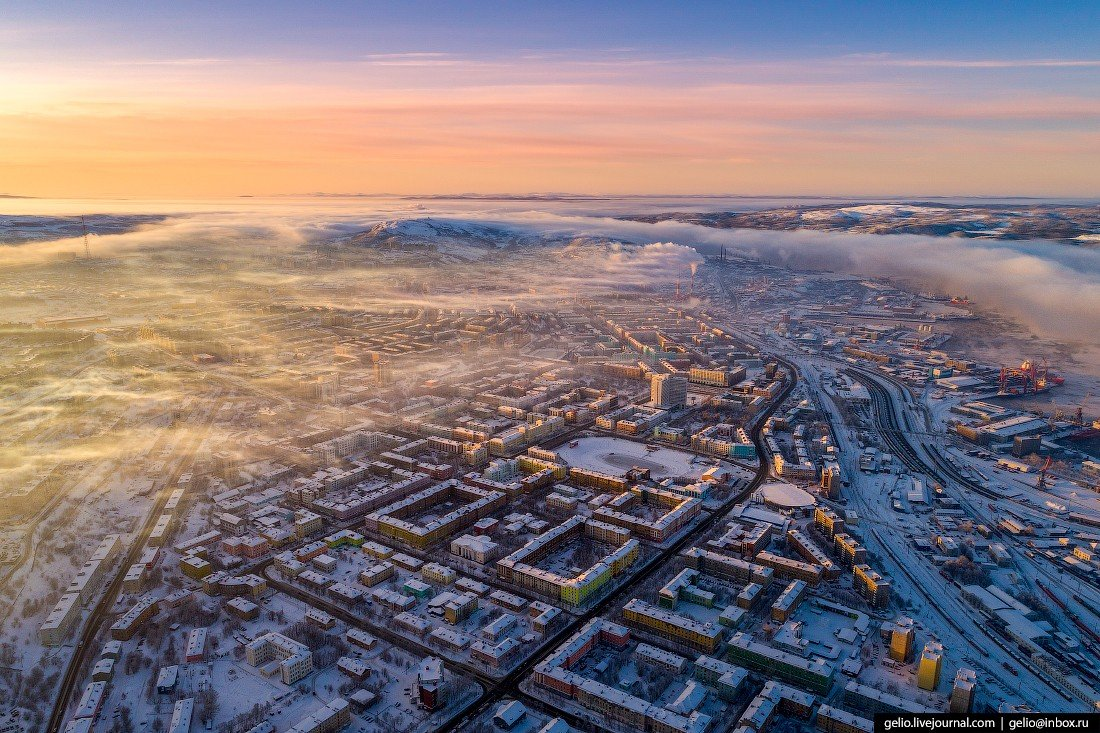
1028,378
1042,484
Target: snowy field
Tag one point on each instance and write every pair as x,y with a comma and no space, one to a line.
618,455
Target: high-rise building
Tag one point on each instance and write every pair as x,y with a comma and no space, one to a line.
901,640
830,479
931,662
874,588
383,372
668,390
962,693
828,522
848,550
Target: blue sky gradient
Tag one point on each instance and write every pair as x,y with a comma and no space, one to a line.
832,97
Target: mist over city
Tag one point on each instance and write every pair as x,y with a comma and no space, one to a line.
543,367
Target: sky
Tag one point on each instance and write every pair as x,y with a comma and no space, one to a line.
208,99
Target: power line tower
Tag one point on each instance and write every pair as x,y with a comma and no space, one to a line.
84,226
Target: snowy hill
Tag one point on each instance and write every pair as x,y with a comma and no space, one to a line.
16,230
449,238
443,234
988,221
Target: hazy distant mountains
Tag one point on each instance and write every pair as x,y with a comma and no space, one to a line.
455,238
462,239
439,233
1075,224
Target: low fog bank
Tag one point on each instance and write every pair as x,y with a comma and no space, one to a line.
1052,288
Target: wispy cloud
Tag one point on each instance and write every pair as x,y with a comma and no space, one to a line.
422,121
415,59
885,59
181,62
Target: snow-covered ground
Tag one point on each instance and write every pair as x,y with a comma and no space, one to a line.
462,239
240,686
104,502
933,601
618,455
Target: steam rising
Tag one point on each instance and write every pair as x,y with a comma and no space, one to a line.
1052,288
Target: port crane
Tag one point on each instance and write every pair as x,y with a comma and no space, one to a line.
1028,378
1079,417
1042,483
84,226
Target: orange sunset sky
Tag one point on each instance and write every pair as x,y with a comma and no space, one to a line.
265,99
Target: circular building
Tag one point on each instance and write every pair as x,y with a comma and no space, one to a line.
786,497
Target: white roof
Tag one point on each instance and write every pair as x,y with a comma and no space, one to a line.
510,712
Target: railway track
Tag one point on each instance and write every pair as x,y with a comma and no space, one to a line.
894,434
895,437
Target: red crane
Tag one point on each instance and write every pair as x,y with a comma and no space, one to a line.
1043,474
1028,378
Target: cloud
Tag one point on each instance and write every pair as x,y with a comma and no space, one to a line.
623,122
182,62
213,254
415,58
1052,288
991,63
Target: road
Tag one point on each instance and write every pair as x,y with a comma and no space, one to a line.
494,690
509,685
89,631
